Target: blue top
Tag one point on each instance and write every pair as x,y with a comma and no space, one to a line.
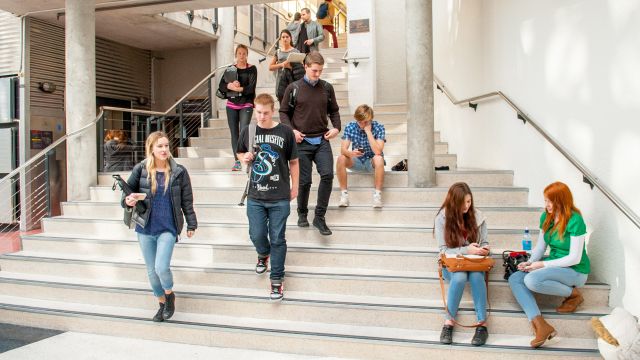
358,137
161,217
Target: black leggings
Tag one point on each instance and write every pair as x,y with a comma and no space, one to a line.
238,120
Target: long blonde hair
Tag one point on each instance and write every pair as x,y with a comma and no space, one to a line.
151,161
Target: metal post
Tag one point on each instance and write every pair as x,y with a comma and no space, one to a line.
100,144
180,127
147,129
210,90
264,29
250,24
47,181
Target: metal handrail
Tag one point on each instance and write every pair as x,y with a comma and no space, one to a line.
43,152
587,175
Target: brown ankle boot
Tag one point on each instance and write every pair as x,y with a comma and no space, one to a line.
543,331
571,303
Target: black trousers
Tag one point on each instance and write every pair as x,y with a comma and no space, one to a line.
322,156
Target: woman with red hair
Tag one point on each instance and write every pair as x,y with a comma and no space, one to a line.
563,230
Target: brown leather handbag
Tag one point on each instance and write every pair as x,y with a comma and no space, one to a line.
464,263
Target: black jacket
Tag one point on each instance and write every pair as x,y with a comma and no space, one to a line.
181,193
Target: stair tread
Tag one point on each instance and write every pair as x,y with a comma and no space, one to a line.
379,274
499,309
370,333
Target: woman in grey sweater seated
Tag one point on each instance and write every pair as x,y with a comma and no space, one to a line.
461,229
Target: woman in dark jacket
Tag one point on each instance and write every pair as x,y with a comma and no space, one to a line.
165,188
118,151
239,93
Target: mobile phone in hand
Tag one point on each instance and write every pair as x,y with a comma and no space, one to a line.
139,196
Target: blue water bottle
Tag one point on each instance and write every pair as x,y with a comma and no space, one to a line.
526,240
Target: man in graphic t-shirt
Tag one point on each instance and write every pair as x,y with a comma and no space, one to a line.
273,161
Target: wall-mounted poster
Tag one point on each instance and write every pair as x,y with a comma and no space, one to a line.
41,139
359,26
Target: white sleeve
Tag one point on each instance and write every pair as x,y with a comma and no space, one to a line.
574,256
541,247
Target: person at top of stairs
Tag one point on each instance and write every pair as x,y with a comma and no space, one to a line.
273,161
327,21
366,138
562,229
461,229
309,33
304,107
165,187
239,106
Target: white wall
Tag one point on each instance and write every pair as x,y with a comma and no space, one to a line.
362,79
571,66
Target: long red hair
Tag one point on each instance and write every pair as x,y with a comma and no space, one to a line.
457,222
560,196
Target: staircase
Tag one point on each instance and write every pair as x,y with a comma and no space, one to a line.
368,291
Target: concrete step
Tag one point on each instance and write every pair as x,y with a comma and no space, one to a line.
495,196
220,163
335,281
343,310
224,139
392,149
295,336
210,178
207,254
220,128
514,217
345,114
396,236
390,107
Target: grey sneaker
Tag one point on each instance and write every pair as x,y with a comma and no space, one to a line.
377,200
261,266
344,199
277,290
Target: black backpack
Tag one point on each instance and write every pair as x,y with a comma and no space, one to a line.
323,11
293,95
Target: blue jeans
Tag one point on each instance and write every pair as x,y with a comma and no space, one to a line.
323,157
558,281
267,224
237,120
157,251
457,282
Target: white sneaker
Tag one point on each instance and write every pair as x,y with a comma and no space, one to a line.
344,199
377,199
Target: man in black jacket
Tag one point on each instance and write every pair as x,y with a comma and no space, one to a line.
305,105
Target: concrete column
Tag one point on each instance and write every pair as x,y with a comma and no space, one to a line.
420,143
224,47
80,96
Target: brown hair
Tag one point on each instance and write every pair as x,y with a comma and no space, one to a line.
560,196
296,16
314,57
264,99
241,46
457,222
151,161
363,113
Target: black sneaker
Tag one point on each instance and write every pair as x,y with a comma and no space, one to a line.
158,316
446,336
261,266
480,337
169,306
277,290
321,225
302,220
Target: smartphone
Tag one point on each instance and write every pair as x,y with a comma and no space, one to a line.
361,150
139,196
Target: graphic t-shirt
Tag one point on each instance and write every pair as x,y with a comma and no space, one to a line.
270,169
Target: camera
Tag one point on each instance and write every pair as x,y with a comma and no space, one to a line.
511,260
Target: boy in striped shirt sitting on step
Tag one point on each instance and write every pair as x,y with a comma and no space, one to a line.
367,138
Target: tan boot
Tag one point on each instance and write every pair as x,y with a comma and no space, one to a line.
543,331
571,303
